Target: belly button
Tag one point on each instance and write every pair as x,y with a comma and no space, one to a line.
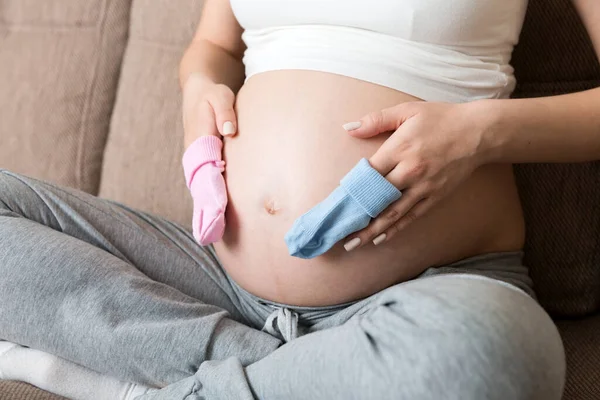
271,207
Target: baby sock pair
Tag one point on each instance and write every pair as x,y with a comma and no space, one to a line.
362,195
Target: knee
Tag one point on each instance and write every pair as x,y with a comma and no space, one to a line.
514,352
475,339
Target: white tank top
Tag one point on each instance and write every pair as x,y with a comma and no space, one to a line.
436,50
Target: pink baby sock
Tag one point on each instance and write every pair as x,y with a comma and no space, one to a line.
203,166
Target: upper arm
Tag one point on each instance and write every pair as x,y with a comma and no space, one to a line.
219,26
589,10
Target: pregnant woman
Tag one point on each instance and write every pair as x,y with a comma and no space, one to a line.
282,98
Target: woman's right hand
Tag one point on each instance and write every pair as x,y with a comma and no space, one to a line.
207,114
207,109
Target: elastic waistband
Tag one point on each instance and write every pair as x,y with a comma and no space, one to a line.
288,321
299,309
506,267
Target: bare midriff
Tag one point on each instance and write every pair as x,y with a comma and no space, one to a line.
291,152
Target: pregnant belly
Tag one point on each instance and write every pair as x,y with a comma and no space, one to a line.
291,152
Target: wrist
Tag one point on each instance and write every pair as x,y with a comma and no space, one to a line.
492,130
196,82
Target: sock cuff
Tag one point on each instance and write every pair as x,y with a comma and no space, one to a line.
203,150
369,188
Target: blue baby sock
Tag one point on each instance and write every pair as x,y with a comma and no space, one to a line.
363,194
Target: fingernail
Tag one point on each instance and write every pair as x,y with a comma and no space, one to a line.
379,239
352,244
350,126
228,128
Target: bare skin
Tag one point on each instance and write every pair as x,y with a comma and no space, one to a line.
290,151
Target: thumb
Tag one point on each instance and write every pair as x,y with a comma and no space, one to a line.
386,120
222,103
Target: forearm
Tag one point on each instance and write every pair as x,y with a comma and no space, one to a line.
549,129
207,60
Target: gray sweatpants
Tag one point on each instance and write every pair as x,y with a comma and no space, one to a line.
132,295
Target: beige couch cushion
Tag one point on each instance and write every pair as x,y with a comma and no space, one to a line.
59,63
142,160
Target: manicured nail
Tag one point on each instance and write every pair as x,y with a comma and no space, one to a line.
351,245
228,128
379,239
350,126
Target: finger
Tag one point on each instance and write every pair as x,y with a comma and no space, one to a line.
222,101
407,174
386,120
383,161
206,124
416,212
388,218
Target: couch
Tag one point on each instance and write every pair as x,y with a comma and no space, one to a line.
89,98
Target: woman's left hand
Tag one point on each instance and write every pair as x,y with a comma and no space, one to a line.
434,148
